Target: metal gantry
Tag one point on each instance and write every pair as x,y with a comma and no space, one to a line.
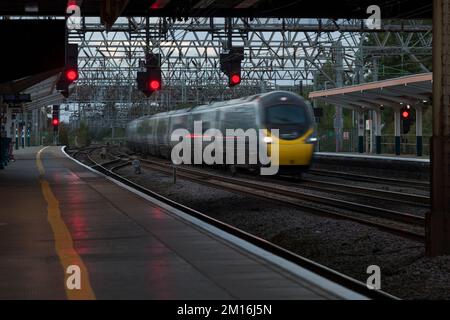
279,53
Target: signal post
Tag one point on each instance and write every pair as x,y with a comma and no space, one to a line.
55,124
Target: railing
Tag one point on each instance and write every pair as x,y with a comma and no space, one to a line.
327,143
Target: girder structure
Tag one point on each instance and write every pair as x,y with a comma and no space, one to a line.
275,50
286,53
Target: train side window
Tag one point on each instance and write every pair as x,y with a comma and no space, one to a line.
196,117
179,122
162,126
151,126
141,127
240,118
206,125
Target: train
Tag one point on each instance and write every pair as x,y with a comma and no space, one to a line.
288,112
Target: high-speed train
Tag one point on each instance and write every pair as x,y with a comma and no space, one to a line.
282,110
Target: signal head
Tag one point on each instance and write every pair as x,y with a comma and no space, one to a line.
154,85
71,75
235,79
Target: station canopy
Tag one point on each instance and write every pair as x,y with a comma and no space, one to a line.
393,93
44,93
405,9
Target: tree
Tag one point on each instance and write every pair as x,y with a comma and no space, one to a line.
63,134
83,137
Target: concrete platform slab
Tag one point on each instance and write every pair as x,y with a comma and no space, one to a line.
129,247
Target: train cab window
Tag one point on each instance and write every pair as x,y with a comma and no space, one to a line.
292,120
286,115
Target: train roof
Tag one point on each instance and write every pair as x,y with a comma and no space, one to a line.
268,98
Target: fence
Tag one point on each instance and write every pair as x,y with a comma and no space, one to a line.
327,143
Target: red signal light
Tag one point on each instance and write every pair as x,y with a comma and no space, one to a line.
235,79
405,114
55,122
71,75
154,85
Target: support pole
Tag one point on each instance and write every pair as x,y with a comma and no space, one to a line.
377,116
371,133
22,134
360,117
28,136
397,131
438,219
338,120
35,121
2,133
16,132
419,131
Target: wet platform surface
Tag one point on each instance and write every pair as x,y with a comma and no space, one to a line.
56,213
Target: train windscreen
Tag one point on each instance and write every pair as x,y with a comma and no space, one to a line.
292,120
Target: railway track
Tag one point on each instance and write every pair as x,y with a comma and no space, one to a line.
399,223
371,193
350,190
108,168
301,200
297,194
371,179
85,155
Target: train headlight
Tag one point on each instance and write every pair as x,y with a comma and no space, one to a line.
312,139
268,139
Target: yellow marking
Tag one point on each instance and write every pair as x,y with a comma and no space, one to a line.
63,240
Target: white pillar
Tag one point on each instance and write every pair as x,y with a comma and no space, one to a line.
419,121
377,123
360,119
9,124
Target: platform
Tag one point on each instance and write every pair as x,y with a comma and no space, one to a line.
404,167
385,157
56,214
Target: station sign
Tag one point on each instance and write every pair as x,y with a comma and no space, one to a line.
15,109
16,98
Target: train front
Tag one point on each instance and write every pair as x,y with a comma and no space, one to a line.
293,117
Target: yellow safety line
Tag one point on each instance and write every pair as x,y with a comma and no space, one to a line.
63,240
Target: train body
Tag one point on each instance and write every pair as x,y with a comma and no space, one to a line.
285,111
